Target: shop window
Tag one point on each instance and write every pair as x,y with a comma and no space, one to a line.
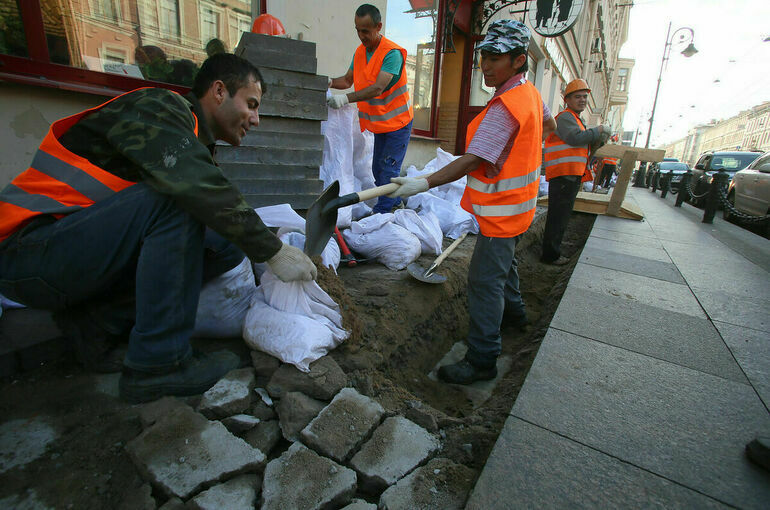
412,25
86,44
13,40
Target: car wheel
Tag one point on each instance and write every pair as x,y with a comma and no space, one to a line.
726,212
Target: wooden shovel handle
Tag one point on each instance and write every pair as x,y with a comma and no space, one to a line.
449,250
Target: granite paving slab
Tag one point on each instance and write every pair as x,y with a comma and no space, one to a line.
734,309
631,264
664,334
752,350
648,252
623,237
719,267
641,228
640,289
569,475
673,421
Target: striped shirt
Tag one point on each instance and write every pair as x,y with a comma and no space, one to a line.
496,133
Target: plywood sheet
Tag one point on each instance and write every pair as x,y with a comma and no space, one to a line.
595,203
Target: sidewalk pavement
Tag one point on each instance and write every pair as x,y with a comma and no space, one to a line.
653,376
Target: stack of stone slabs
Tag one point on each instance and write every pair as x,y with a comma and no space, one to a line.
278,162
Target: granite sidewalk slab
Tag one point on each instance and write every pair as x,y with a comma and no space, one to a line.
652,377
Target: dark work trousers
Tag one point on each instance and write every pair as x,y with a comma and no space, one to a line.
606,178
561,198
133,259
493,287
389,152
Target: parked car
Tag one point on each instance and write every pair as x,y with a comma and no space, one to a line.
712,161
749,190
679,169
652,170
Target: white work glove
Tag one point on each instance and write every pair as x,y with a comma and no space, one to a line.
337,101
291,264
409,186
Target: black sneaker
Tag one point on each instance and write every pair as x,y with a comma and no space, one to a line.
463,372
195,375
561,261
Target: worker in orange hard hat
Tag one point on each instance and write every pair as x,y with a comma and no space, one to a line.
567,152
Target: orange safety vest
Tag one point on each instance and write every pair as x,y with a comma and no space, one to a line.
504,205
58,182
564,159
610,161
392,109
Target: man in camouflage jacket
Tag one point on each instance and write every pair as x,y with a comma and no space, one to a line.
133,263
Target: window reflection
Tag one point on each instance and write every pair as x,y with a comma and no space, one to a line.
412,25
12,38
159,40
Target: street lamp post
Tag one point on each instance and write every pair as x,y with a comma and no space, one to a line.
689,51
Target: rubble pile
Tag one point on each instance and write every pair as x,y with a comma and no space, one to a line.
273,437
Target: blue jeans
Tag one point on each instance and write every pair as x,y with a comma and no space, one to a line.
389,152
134,261
493,287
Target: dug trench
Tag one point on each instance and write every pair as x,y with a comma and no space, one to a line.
400,329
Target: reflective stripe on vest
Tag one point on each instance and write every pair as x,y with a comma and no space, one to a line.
392,109
505,204
562,158
58,182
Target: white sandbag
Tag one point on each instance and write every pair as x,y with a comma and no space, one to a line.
371,223
9,304
451,191
454,220
347,155
224,301
425,226
390,244
588,186
330,257
543,187
297,322
281,215
360,210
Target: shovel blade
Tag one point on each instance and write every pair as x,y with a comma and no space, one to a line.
418,272
320,221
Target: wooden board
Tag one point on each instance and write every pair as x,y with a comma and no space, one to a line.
611,150
594,203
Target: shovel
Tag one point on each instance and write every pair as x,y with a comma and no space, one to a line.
321,217
428,275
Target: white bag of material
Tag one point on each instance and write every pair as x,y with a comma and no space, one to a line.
360,210
454,220
297,322
543,187
281,215
451,191
425,226
377,237
588,186
224,301
347,155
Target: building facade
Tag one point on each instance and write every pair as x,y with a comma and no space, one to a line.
748,130
61,57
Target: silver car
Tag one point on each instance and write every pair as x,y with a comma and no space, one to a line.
749,190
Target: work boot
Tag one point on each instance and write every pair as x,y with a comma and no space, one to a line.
95,348
463,372
195,375
561,261
758,451
517,321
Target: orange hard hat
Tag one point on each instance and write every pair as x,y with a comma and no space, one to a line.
267,24
575,85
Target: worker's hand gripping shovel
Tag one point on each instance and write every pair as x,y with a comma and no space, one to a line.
322,215
429,275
